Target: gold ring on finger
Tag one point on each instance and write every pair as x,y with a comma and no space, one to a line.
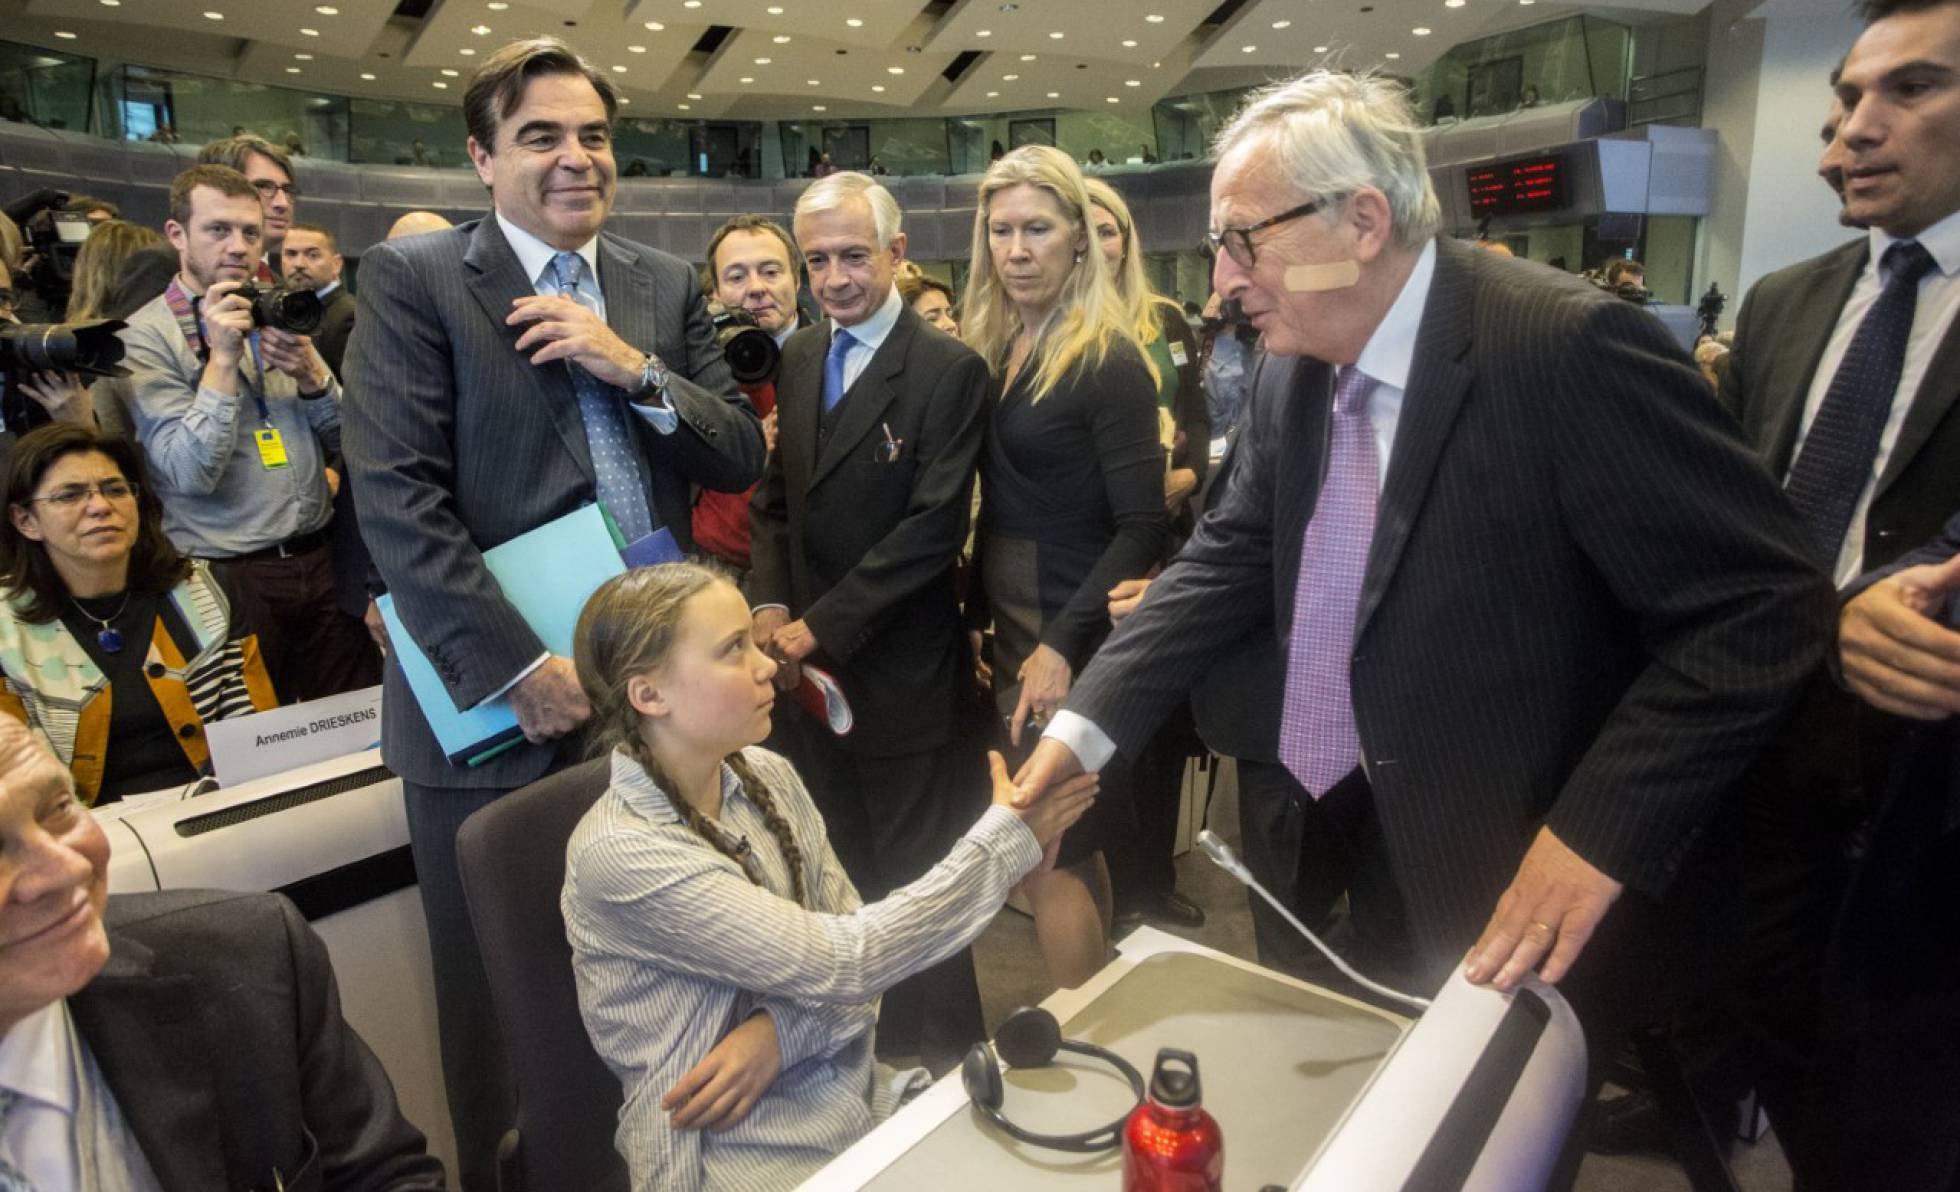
1544,927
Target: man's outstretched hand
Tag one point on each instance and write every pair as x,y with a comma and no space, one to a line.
1551,909
1050,763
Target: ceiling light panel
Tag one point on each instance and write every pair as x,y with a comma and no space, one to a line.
883,24
839,78
1079,32
153,30
608,35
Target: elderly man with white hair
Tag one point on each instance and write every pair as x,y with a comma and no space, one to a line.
1539,606
182,1039
856,530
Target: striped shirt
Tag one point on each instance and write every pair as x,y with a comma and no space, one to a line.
673,946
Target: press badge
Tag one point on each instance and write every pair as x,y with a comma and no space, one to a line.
272,449
1178,355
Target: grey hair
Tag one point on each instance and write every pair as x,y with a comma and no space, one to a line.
1333,133
830,193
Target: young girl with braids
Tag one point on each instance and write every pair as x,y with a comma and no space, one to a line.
727,972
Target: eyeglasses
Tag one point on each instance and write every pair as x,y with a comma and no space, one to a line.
68,496
267,188
1237,242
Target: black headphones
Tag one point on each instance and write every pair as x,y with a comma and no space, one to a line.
1029,1039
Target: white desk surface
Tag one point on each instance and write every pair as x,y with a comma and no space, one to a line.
1282,1111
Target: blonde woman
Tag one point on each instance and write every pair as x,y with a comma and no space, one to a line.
1144,878
1073,492
100,263
1166,336
728,972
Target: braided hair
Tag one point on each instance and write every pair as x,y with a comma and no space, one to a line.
628,629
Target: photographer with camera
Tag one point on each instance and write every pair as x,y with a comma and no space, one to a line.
58,394
751,290
53,226
1626,278
238,413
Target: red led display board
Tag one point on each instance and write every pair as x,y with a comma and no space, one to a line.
1521,187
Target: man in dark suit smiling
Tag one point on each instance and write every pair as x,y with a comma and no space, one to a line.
518,367
856,530
181,1040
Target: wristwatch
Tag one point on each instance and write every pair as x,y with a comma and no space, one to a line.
653,379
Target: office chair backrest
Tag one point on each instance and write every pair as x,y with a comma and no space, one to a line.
512,856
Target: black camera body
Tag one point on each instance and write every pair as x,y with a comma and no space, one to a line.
297,312
751,352
1710,309
55,239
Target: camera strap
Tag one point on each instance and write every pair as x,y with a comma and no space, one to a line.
184,308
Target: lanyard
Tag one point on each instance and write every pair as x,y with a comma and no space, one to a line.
182,308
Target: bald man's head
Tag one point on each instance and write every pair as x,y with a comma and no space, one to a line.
417,222
54,880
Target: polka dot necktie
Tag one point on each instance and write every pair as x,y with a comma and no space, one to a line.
615,461
1835,463
1318,741
11,1177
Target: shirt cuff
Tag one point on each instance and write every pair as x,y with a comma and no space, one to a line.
1004,834
659,413
1090,745
519,677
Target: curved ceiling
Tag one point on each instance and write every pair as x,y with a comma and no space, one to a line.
788,59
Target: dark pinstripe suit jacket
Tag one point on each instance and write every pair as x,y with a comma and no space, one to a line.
456,443
1781,333
217,1025
1586,604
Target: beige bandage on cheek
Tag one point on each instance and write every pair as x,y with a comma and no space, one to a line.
1309,279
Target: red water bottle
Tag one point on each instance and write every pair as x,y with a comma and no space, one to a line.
1170,1143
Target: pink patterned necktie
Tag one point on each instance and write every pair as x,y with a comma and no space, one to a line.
1317,737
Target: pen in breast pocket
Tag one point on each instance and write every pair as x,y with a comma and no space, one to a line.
888,450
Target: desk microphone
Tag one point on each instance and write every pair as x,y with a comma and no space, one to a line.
1223,856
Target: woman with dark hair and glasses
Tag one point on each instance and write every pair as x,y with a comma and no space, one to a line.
114,649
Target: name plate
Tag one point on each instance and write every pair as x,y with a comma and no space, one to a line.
249,747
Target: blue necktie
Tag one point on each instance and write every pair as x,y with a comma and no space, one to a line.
833,369
11,1178
1835,464
615,460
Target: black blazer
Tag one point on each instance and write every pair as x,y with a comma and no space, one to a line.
217,1025
1586,605
861,541
456,443
1781,333
336,326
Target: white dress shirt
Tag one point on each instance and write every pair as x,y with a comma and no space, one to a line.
534,257
1388,357
1939,298
38,1062
867,337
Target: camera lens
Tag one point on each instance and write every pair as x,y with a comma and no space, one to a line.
295,311
751,353
62,347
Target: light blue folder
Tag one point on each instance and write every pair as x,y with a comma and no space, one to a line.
547,575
